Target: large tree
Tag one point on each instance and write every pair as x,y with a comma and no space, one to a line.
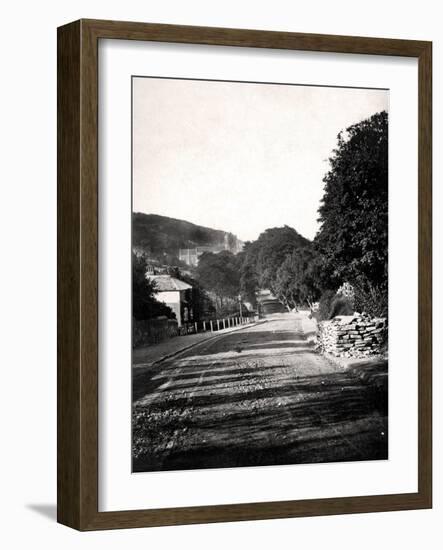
219,274
274,245
297,282
248,271
353,235
262,258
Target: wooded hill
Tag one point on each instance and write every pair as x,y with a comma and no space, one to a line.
157,235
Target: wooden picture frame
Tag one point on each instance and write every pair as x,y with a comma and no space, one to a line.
78,274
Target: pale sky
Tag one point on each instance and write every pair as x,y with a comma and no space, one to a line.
236,156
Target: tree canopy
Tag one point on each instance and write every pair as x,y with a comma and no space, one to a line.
296,281
262,257
353,235
219,273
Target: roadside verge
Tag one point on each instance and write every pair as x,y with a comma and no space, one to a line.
153,355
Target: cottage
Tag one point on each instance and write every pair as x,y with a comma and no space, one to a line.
175,294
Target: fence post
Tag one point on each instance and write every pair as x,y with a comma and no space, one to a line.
195,324
218,324
210,324
224,326
204,326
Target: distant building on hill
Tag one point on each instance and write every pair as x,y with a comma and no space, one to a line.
190,256
175,294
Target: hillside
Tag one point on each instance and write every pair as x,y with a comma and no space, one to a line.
159,235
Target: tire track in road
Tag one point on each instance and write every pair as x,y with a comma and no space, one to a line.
152,398
175,437
264,382
166,448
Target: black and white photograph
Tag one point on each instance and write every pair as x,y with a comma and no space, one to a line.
259,274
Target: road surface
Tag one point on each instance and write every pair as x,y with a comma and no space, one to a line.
254,397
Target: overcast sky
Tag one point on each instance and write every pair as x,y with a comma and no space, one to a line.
239,157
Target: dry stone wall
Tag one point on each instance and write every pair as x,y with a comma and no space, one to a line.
356,335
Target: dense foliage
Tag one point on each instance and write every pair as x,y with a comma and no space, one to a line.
371,298
220,274
325,304
262,258
296,280
353,235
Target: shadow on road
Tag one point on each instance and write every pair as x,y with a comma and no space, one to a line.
323,418
258,397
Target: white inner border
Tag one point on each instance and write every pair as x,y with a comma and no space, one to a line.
119,489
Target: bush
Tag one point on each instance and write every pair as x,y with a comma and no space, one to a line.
324,305
371,299
347,290
341,305
332,304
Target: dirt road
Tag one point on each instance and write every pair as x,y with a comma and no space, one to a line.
258,396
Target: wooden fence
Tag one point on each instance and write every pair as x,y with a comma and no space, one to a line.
154,331
214,325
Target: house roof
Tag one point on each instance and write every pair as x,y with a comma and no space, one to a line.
166,282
